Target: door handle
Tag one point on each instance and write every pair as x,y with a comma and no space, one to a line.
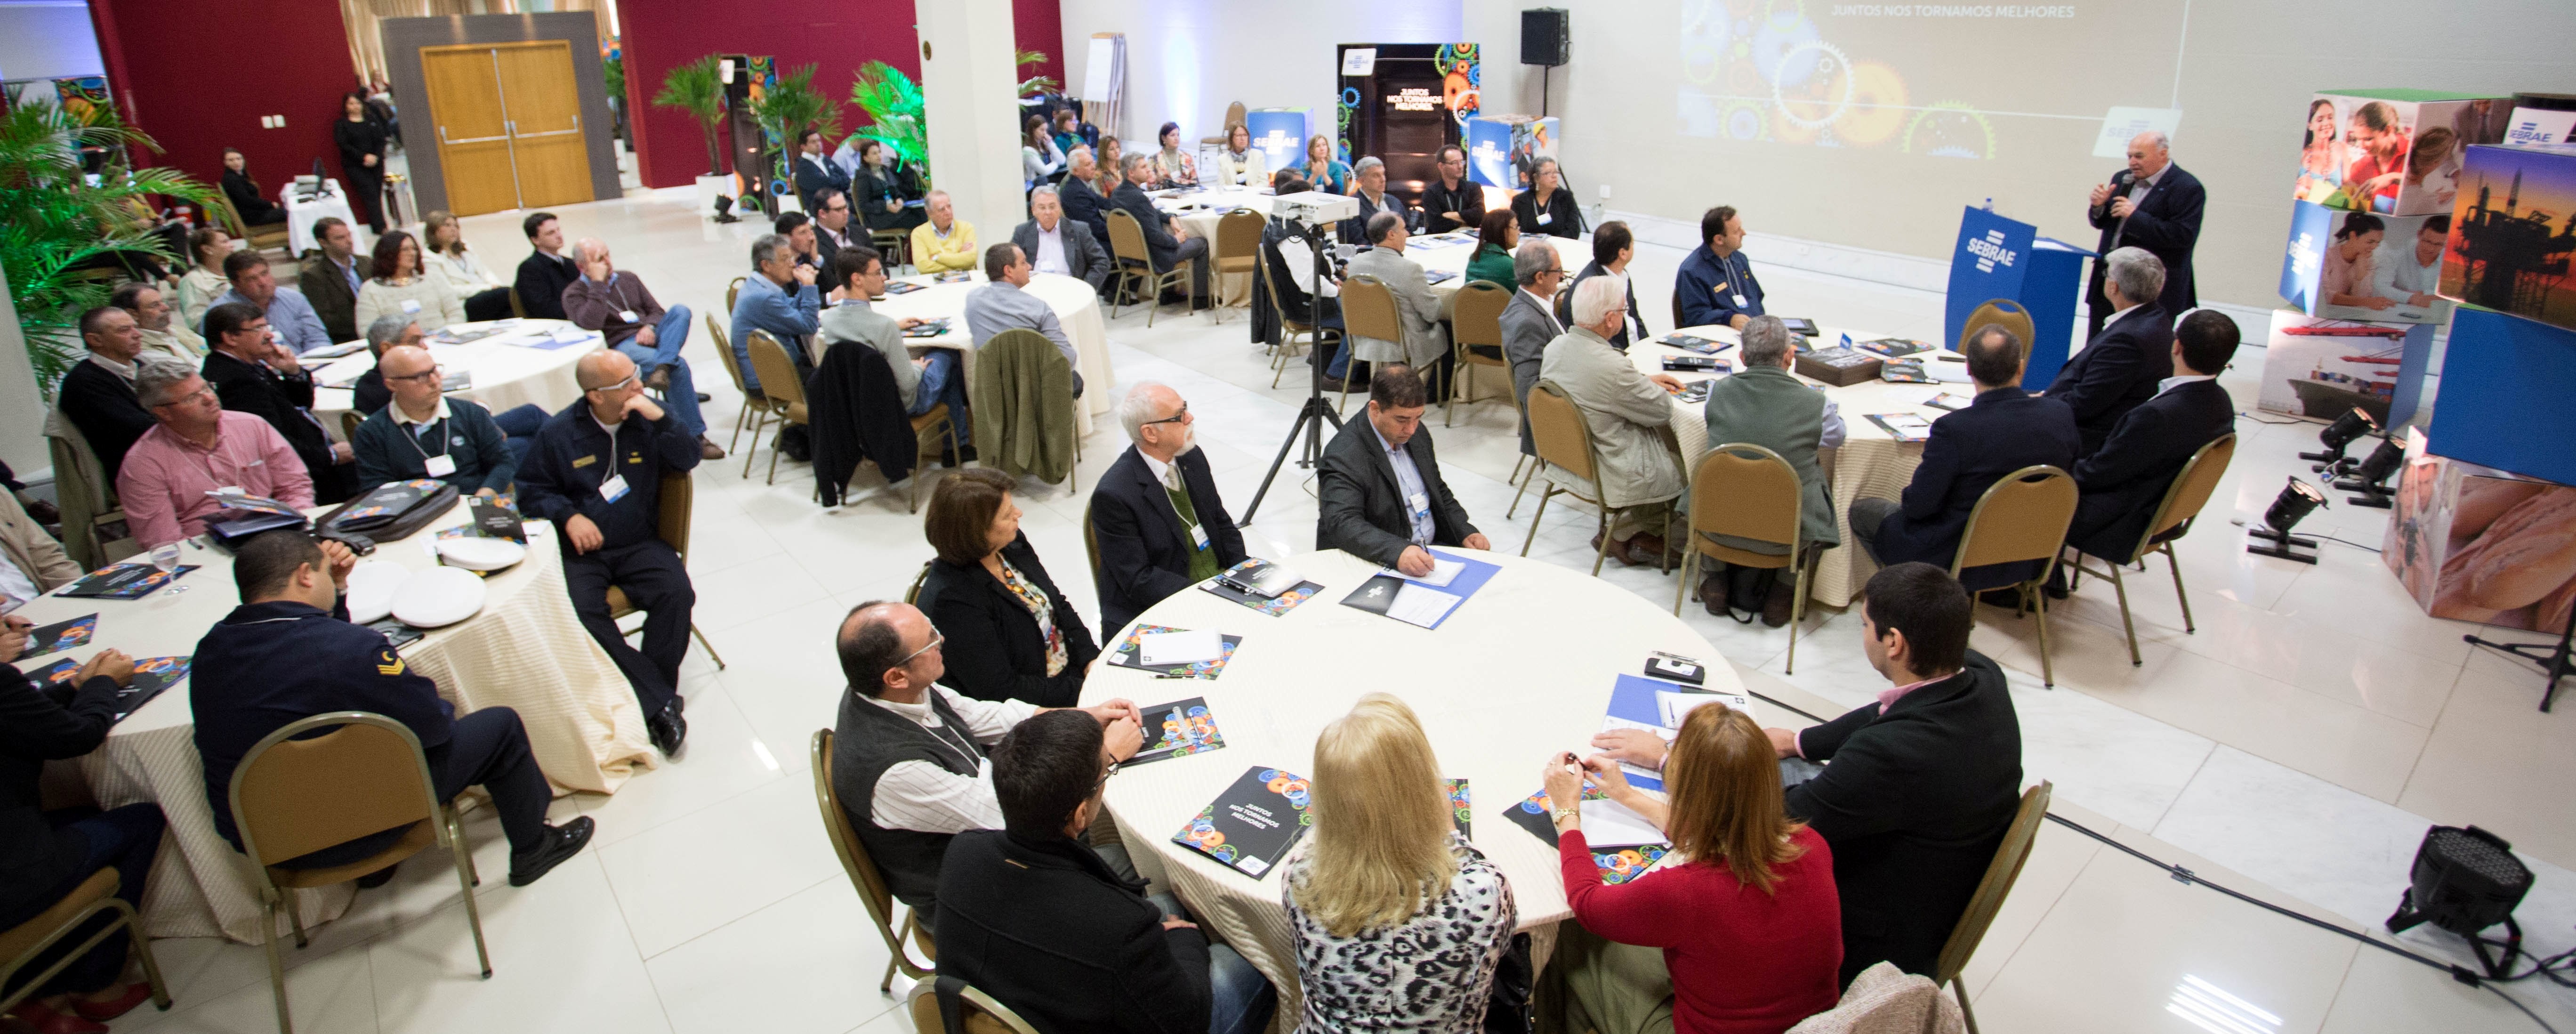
551,132
576,122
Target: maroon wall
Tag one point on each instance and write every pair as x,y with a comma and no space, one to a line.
837,37
204,89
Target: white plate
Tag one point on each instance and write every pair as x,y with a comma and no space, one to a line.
438,597
481,554
372,585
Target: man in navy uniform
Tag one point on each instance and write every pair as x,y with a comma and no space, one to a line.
596,472
289,652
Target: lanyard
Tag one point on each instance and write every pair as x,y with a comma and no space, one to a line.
414,438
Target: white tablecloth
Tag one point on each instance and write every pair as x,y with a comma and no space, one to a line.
1870,463
301,214
1076,307
1522,669
526,650
1199,212
505,375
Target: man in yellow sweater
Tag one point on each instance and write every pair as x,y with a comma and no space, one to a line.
946,242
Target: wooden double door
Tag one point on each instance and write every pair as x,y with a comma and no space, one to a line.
507,117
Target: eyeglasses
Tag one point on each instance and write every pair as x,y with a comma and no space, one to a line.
201,393
433,373
631,380
935,641
1175,418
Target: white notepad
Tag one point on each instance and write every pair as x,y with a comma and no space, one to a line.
1157,649
1420,606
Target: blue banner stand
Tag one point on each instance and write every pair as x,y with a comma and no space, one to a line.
2502,402
2004,258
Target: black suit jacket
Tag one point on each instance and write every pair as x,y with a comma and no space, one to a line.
541,284
1144,550
2167,224
1084,204
282,401
40,724
1565,304
1159,241
1084,256
1049,930
2119,368
2004,430
998,652
1355,229
103,406
1363,509
2125,480
1913,805
810,179
334,302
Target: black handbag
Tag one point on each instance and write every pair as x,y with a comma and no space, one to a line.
393,510
1508,1011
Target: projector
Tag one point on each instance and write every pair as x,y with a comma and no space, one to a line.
1315,208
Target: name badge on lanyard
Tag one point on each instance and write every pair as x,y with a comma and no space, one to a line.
441,465
614,488
1198,536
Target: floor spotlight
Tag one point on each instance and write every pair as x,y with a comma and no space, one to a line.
724,210
2296,501
2371,477
2464,881
2346,430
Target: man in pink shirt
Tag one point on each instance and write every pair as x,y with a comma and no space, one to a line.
198,447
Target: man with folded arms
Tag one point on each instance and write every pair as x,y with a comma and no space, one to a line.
424,434
97,395
1383,499
298,327
197,447
616,303
944,242
909,758
289,653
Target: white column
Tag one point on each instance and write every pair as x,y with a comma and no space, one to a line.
971,115
22,433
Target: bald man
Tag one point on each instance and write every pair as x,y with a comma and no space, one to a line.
616,303
424,434
2152,204
596,474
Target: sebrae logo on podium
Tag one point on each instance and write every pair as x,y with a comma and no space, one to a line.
1275,140
1486,150
1990,251
2304,255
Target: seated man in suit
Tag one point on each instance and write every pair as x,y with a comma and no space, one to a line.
2127,358
832,226
289,653
1613,247
547,271
1629,415
331,277
1382,497
368,393
1426,340
97,395
945,242
1530,321
815,172
798,228
859,271
1155,513
1080,193
1033,916
1004,303
1368,183
255,373
596,473
616,303
1715,286
1765,405
1167,242
1923,782
780,297
1055,244
2004,430
198,447
908,754
425,434
2124,481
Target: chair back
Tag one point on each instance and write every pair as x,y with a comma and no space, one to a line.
1478,317
85,495
1998,882
1558,429
912,595
1091,543
732,291
349,421
1368,309
982,1015
2023,516
678,501
777,372
724,351
1127,239
1238,236
2191,490
1024,418
1268,283
517,308
232,218
1996,312
1234,116
293,797
855,862
1746,491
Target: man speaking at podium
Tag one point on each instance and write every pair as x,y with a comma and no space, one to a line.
2152,204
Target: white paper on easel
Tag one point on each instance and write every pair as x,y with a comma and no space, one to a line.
1100,70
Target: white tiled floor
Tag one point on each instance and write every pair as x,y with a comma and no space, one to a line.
2295,747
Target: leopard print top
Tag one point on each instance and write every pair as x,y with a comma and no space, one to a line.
1432,973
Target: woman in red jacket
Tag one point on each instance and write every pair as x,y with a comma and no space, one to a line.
1744,905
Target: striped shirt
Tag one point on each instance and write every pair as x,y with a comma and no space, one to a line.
924,797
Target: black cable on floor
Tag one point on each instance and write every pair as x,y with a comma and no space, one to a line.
2463,974
2348,542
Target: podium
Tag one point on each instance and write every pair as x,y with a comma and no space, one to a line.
2003,258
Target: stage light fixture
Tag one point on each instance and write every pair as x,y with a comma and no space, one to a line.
2370,478
2346,430
2297,500
724,210
2465,881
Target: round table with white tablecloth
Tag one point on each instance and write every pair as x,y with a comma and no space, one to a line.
1199,211
1077,309
525,650
1871,462
523,362
1520,670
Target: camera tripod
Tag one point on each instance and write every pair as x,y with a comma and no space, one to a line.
2553,658
1312,417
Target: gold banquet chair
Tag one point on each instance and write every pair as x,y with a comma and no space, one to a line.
1565,443
2190,491
1135,265
756,410
786,392
1289,329
1237,249
983,1015
21,945
2022,516
678,505
1368,310
1988,900
1476,321
1745,491
866,878
1997,312
367,774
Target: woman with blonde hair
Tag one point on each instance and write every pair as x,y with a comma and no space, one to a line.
1329,175
442,242
1743,908
1399,921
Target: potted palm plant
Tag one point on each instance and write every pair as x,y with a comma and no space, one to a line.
697,89
893,104
63,233
785,110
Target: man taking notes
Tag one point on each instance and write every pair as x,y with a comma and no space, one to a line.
1383,499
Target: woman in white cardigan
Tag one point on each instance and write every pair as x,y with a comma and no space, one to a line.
400,285
486,296
205,281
